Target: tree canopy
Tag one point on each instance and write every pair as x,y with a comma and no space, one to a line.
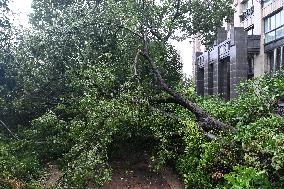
90,75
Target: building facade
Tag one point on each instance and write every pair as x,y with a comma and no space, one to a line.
249,47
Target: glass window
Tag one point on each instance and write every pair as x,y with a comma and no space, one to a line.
269,37
247,5
250,3
266,2
280,32
282,17
272,22
266,25
278,19
274,27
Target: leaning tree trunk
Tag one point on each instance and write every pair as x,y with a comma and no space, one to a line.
204,119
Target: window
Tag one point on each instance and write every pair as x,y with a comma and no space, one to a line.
278,19
270,60
280,32
250,67
250,31
269,37
274,27
247,5
248,9
266,2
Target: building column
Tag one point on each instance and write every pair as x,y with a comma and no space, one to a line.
199,76
206,74
215,74
238,59
210,78
274,60
200,81
221,35
224,78
282,57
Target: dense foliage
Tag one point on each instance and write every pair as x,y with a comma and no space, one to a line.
75,86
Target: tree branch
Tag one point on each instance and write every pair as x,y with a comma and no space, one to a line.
176,15
174,117
163,100
204,119
130,30
155,34
7,128
135,63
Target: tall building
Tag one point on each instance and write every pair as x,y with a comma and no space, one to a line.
249,47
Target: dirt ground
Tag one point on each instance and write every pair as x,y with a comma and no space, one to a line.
131,171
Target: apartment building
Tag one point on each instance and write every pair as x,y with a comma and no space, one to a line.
253,44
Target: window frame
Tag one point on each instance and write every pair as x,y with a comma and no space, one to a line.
246,5
266,2
271,26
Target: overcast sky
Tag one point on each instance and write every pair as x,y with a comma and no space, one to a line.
23,8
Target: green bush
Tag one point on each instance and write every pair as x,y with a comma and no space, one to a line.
257,144
247,177
19,166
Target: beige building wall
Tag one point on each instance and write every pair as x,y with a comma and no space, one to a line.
254,21
272,7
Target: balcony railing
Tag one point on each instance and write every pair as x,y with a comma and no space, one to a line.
213,54
224,49
247,13
200,61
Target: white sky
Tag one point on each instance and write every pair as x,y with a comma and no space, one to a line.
23,8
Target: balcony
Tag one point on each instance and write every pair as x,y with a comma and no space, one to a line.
200,61
247,13
224,49
213,54
253,44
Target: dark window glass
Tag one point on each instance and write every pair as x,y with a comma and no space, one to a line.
250,67
270,60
